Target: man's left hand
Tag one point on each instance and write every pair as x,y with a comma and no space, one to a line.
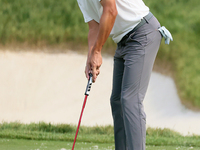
93,64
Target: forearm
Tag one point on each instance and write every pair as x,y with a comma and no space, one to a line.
105,26
99,32
92,36
97,36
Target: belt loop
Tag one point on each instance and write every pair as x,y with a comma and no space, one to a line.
146,20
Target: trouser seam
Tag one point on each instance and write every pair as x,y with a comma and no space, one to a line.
139,100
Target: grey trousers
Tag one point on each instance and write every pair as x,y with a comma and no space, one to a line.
133,63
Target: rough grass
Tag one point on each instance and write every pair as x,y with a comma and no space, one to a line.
53,22
96,134
41,20
181,18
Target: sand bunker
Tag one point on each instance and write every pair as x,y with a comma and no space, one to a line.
50,87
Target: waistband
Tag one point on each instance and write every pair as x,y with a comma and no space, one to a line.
142,22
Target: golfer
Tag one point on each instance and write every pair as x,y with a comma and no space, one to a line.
135,30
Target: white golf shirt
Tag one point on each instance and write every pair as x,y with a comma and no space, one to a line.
130,13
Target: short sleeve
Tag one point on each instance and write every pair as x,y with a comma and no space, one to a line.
83,8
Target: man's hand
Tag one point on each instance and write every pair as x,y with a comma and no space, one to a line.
93,65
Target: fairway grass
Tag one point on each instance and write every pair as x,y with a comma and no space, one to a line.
19,144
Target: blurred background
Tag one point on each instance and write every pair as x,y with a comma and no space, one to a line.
43,49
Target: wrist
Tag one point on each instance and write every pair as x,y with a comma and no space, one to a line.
96,49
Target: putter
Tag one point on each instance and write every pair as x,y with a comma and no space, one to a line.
86,95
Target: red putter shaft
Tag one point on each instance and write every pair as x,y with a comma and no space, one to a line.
86,95
79,121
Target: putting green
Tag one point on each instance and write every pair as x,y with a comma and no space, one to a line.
18,144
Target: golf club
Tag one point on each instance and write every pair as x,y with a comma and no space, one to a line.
86,95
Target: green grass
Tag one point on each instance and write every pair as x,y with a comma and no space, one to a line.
41,20
182,19
16,144
97,134
53,22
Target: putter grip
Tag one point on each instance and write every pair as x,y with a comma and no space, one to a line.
87,91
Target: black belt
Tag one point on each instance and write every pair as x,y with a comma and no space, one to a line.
142,22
